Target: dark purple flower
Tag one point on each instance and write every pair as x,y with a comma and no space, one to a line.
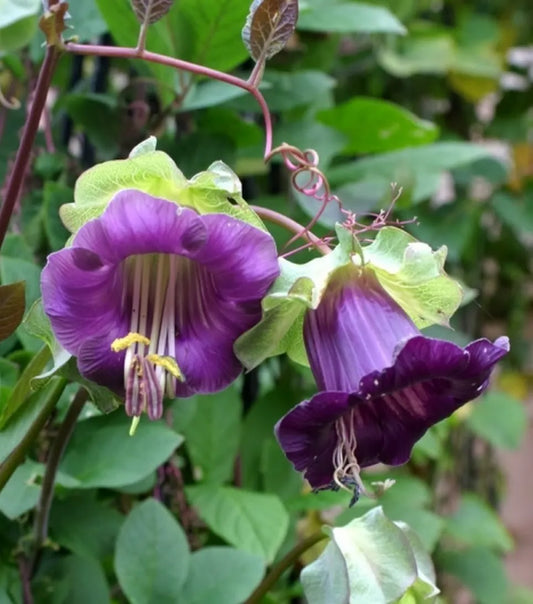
151,297
382,384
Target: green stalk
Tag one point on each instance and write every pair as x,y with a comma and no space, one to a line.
52,463
284,564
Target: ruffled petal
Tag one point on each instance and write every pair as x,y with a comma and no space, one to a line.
207,325
392,409
97,362
81,296
137,223
307,435
429,380
242,259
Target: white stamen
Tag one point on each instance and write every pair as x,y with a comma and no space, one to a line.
150,368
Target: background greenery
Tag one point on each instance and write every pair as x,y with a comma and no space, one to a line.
429,95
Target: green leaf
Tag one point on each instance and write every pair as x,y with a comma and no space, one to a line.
21,492
102,454
223,575
97,116
54,196
268,27
9,373
86,20
168,37
65,365
347,18
279,476
413,275
20,395
428,48
213,28
254,522
150,11
12,304
369,561
480,570
416,168
500,419
75,579
10,139
152,555
85,526
213,434
258,430
476,524
514,212
38,325
209,94
18,23
375,125
284,90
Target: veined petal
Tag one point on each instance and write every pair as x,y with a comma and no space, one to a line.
307,435
78,292
241,258
207,326
392,408
137,223
355,329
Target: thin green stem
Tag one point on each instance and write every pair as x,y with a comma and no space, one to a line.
52,463
134,53
16,457
284,564
22,388
292,226
16,176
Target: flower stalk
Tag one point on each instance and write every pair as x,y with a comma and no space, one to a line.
16,177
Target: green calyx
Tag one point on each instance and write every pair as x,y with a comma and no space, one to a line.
407,269
216,190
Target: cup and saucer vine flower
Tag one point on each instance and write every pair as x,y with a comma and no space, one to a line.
381,383
151,295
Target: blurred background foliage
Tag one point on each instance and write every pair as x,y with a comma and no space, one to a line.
435,96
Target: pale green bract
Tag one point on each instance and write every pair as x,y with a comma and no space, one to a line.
407,269
216,190
371,560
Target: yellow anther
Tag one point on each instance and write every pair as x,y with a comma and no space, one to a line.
168,363
134,423
132,338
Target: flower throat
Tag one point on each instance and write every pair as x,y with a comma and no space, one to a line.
150,367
